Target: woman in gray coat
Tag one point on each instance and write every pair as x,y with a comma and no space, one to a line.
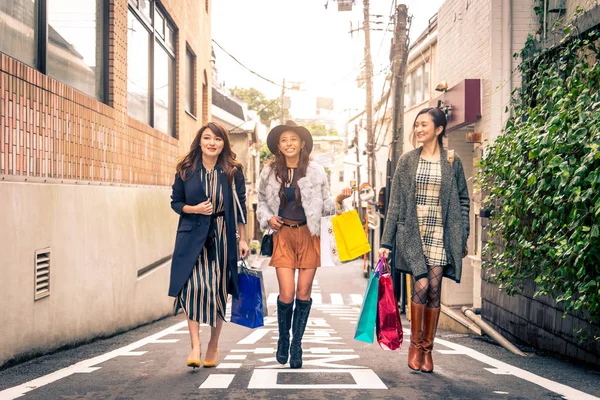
428,220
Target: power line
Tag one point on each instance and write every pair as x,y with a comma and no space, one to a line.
250,70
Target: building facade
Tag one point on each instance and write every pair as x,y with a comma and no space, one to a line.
98,99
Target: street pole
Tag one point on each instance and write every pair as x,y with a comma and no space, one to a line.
356,147
282,95
399,59
369,87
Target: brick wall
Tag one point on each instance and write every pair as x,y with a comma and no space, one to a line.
52,131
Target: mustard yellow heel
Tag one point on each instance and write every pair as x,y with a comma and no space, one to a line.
194,363
212,364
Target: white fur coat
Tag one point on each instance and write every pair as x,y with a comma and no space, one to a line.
314,191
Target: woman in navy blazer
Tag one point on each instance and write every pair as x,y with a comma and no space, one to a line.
204,265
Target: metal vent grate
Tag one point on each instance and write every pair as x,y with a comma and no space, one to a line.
42,273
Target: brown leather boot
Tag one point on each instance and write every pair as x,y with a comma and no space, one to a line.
415,350
432,316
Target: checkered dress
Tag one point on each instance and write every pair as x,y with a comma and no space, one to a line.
429,211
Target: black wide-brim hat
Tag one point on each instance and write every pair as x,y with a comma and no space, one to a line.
302,132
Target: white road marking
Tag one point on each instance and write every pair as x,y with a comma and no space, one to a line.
566,391
336,298
134,353
237,357
449,351
272,299
497,371
499,392
356,299
88,370
85,365
165,340
229,365
217,381
255,336
259,350
317,298
267,379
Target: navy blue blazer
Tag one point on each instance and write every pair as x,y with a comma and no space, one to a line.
193,228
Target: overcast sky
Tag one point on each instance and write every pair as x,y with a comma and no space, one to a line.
301,41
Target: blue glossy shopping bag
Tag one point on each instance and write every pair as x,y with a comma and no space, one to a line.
247,306
365,328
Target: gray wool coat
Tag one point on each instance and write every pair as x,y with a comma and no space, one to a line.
314,192
401,225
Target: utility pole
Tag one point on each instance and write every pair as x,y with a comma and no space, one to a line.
369,87
399,59
356,147
282,96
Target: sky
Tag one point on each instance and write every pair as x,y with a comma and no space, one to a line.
301,41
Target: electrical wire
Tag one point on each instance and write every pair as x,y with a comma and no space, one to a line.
248,69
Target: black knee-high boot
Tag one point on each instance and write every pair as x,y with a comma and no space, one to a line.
284,320
301,313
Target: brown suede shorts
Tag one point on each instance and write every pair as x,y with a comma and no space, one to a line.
295,248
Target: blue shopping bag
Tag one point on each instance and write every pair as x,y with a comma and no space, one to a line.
365,328
247,306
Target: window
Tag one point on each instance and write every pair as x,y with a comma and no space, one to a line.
18,24
61,38
151,66
190,82
416,90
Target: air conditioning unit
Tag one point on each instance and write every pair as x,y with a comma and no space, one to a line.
345,5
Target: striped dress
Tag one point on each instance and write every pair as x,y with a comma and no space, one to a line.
204,296
429,211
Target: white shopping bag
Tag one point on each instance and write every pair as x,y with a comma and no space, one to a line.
329,253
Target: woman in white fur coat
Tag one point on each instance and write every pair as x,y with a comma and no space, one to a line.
293,195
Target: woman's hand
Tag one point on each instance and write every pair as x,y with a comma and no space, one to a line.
244,249
384,252
205,208
275,223
344,194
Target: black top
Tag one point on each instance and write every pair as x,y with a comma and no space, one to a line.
292,210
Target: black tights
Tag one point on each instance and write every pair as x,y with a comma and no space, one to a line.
429,290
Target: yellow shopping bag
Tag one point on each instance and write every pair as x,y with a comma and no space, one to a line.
350,236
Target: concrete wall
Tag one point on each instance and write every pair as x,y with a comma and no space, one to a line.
75,177
100,237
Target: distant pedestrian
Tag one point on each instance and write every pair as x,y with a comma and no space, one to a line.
428,220
293,195
204,265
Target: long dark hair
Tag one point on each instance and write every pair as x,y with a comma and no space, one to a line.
279,165
439,119
227,158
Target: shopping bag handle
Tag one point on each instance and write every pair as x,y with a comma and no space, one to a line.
383,265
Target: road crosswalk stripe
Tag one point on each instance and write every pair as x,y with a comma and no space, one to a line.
217,381
336,298
317,298
356,299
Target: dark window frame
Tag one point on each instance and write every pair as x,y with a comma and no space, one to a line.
194,103
156,39
41,48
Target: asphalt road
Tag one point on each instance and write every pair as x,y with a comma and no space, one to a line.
149,362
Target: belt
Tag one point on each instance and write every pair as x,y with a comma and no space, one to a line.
295,225
219,214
